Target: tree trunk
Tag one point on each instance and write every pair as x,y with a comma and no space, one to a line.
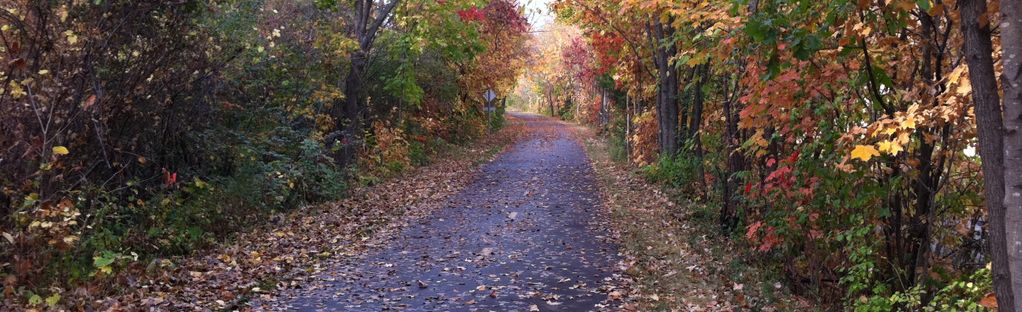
989,124
735,162
550,100
697,101
351,111
628,128
364,27
667,97
697,120
1011,81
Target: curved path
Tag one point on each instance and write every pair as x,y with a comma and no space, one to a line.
525,236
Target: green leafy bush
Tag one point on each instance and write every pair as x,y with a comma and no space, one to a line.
678,171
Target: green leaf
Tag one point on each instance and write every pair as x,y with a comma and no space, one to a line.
758,30
52,300
35,300
106,259
923,4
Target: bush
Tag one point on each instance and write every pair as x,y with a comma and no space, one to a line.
678,171
178,125
168,125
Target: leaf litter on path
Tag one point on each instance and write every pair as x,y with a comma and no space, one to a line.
529,233
285,252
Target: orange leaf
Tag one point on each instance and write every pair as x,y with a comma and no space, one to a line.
989,301
89,101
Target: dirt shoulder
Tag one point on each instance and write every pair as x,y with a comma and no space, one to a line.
676,260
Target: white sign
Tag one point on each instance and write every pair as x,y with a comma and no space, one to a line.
489,95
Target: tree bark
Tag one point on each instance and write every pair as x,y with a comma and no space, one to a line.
365,25
628,128
735,162
695,124
989,126
550,100
1011,82
667,97
697,101
351,111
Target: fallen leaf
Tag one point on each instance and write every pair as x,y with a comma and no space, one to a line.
614,295
989,301
60,150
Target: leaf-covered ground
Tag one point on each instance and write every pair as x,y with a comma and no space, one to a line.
677,261
528,234
291,246
540,227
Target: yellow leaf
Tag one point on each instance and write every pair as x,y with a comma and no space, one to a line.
16,90
887,130
864,152
199,183
890,147
956,74
885,146
60,150
71,37
909,122
964,88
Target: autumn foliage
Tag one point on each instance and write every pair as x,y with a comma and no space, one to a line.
836,137
134,131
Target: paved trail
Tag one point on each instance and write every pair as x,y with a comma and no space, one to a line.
524,236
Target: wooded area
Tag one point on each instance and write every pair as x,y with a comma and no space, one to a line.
858,148
869,153
132,131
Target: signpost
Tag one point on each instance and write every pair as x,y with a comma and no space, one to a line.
489,96
490,109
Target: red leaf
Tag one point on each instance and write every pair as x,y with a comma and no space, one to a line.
770,240
169,178
751,234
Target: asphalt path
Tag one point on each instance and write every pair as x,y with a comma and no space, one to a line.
526,235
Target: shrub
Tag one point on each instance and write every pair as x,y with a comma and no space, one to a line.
678,171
